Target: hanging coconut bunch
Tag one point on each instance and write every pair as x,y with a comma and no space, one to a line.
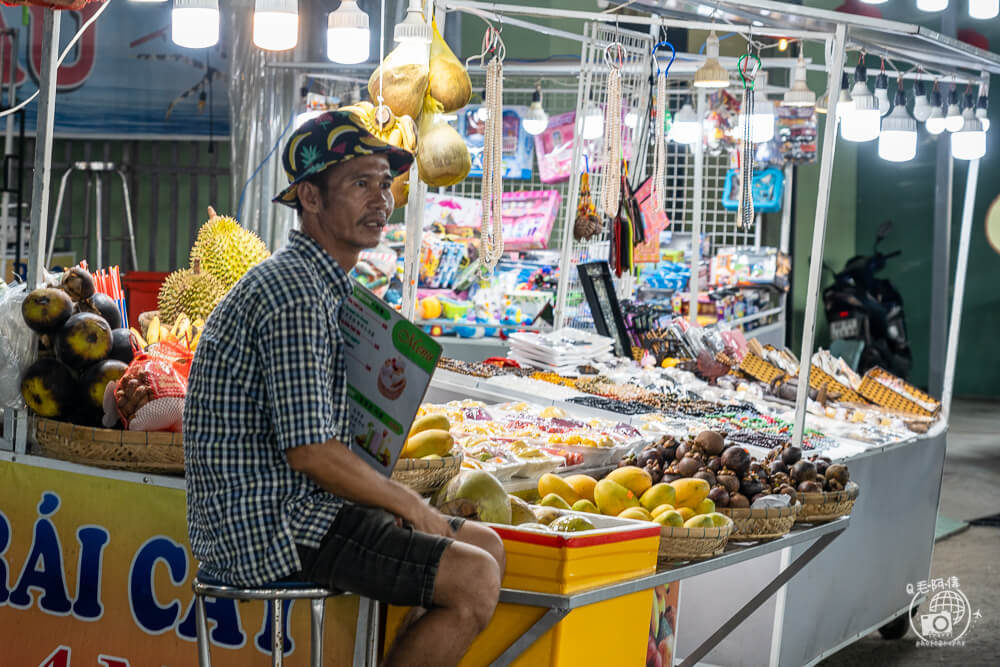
226,249
400,131
403,84
449,80
443,159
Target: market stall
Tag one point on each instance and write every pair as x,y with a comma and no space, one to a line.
742,600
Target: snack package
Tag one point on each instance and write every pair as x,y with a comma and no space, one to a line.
150,396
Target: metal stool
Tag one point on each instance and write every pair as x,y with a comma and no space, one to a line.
95,172
276,593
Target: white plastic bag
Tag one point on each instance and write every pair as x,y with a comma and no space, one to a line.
17,345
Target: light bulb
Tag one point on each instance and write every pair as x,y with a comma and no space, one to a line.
921,105
897,142
414,37
862,123
799,94
711,74
932,5
823,103
984,9
845,104
761,121
536,120
882,93
348,39
982,113
935,122
953,116
276,24
194,24
685,128
969,143
593,123
631,120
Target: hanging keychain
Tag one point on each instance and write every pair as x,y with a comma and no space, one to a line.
491,225
657,191
611,178
745,212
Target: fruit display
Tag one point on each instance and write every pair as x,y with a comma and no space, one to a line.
226,249
192,292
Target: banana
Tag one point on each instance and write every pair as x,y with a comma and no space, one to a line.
153,332
399,131
138,337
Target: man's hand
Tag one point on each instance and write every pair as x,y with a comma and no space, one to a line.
426,519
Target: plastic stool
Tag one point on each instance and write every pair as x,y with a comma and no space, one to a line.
276,592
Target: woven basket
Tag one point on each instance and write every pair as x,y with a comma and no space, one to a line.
158,452
827,506
759,369
760,524
425,476
681,544
883,396
819,378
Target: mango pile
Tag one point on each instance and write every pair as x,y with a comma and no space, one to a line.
429,438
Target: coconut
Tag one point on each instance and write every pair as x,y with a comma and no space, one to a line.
483,489
443,159
403,84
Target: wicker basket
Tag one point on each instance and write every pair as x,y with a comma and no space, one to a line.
759,369
682,544
827,506
425,476
819,378
767,523
883,396
158,452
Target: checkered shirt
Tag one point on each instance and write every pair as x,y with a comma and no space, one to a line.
268,375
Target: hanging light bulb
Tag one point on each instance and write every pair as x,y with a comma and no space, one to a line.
984,9
845,104
799,95
276,24
932,5
935,122
953,116
762,119
631,119
921,105
882,93
982,112
593,122
897,142
969,143
823,103
536,120
684,129
862,123
348,39
194,24
414,37
711,74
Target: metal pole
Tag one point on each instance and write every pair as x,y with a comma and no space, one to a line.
819,234
8,141
43,146
971,182
786,210
696,213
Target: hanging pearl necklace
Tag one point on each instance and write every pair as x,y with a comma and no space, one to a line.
491,226
656,191
612,176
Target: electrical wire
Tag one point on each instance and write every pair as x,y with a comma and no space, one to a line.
62,57
239,206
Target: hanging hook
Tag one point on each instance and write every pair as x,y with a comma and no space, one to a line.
748,77
618,60
673,55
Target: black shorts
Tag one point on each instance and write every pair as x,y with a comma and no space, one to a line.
366,553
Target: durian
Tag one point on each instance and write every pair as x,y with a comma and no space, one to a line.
191,292
226,249
449,81
443,159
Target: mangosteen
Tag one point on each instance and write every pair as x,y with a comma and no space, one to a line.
710,442
821,480
670,477
837,472
778,466
736,459
681,450
834,485
738,500
706,475
810,487
688,466
790,492
629,460
791,455
728,480
804,471
714,463
780,479
655,471
667,453
646,456
719,496
750,487
821,466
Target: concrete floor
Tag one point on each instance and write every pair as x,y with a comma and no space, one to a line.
970,490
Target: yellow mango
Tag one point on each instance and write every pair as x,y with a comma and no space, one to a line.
637,513
612,498
633,478
549,483
658,494
699,521
430,422
660,509
685,512
584,505
583,485
669,518
706,506
434,441
554,500
718,520
689,491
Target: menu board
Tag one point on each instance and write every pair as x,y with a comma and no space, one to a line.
595,278
389,366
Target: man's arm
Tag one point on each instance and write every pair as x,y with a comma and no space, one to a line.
338,470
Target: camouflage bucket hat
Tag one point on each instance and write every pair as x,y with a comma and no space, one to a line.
327,140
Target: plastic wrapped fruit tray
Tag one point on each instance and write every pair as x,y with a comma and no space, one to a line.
683,544
767,523
159,452
827,506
